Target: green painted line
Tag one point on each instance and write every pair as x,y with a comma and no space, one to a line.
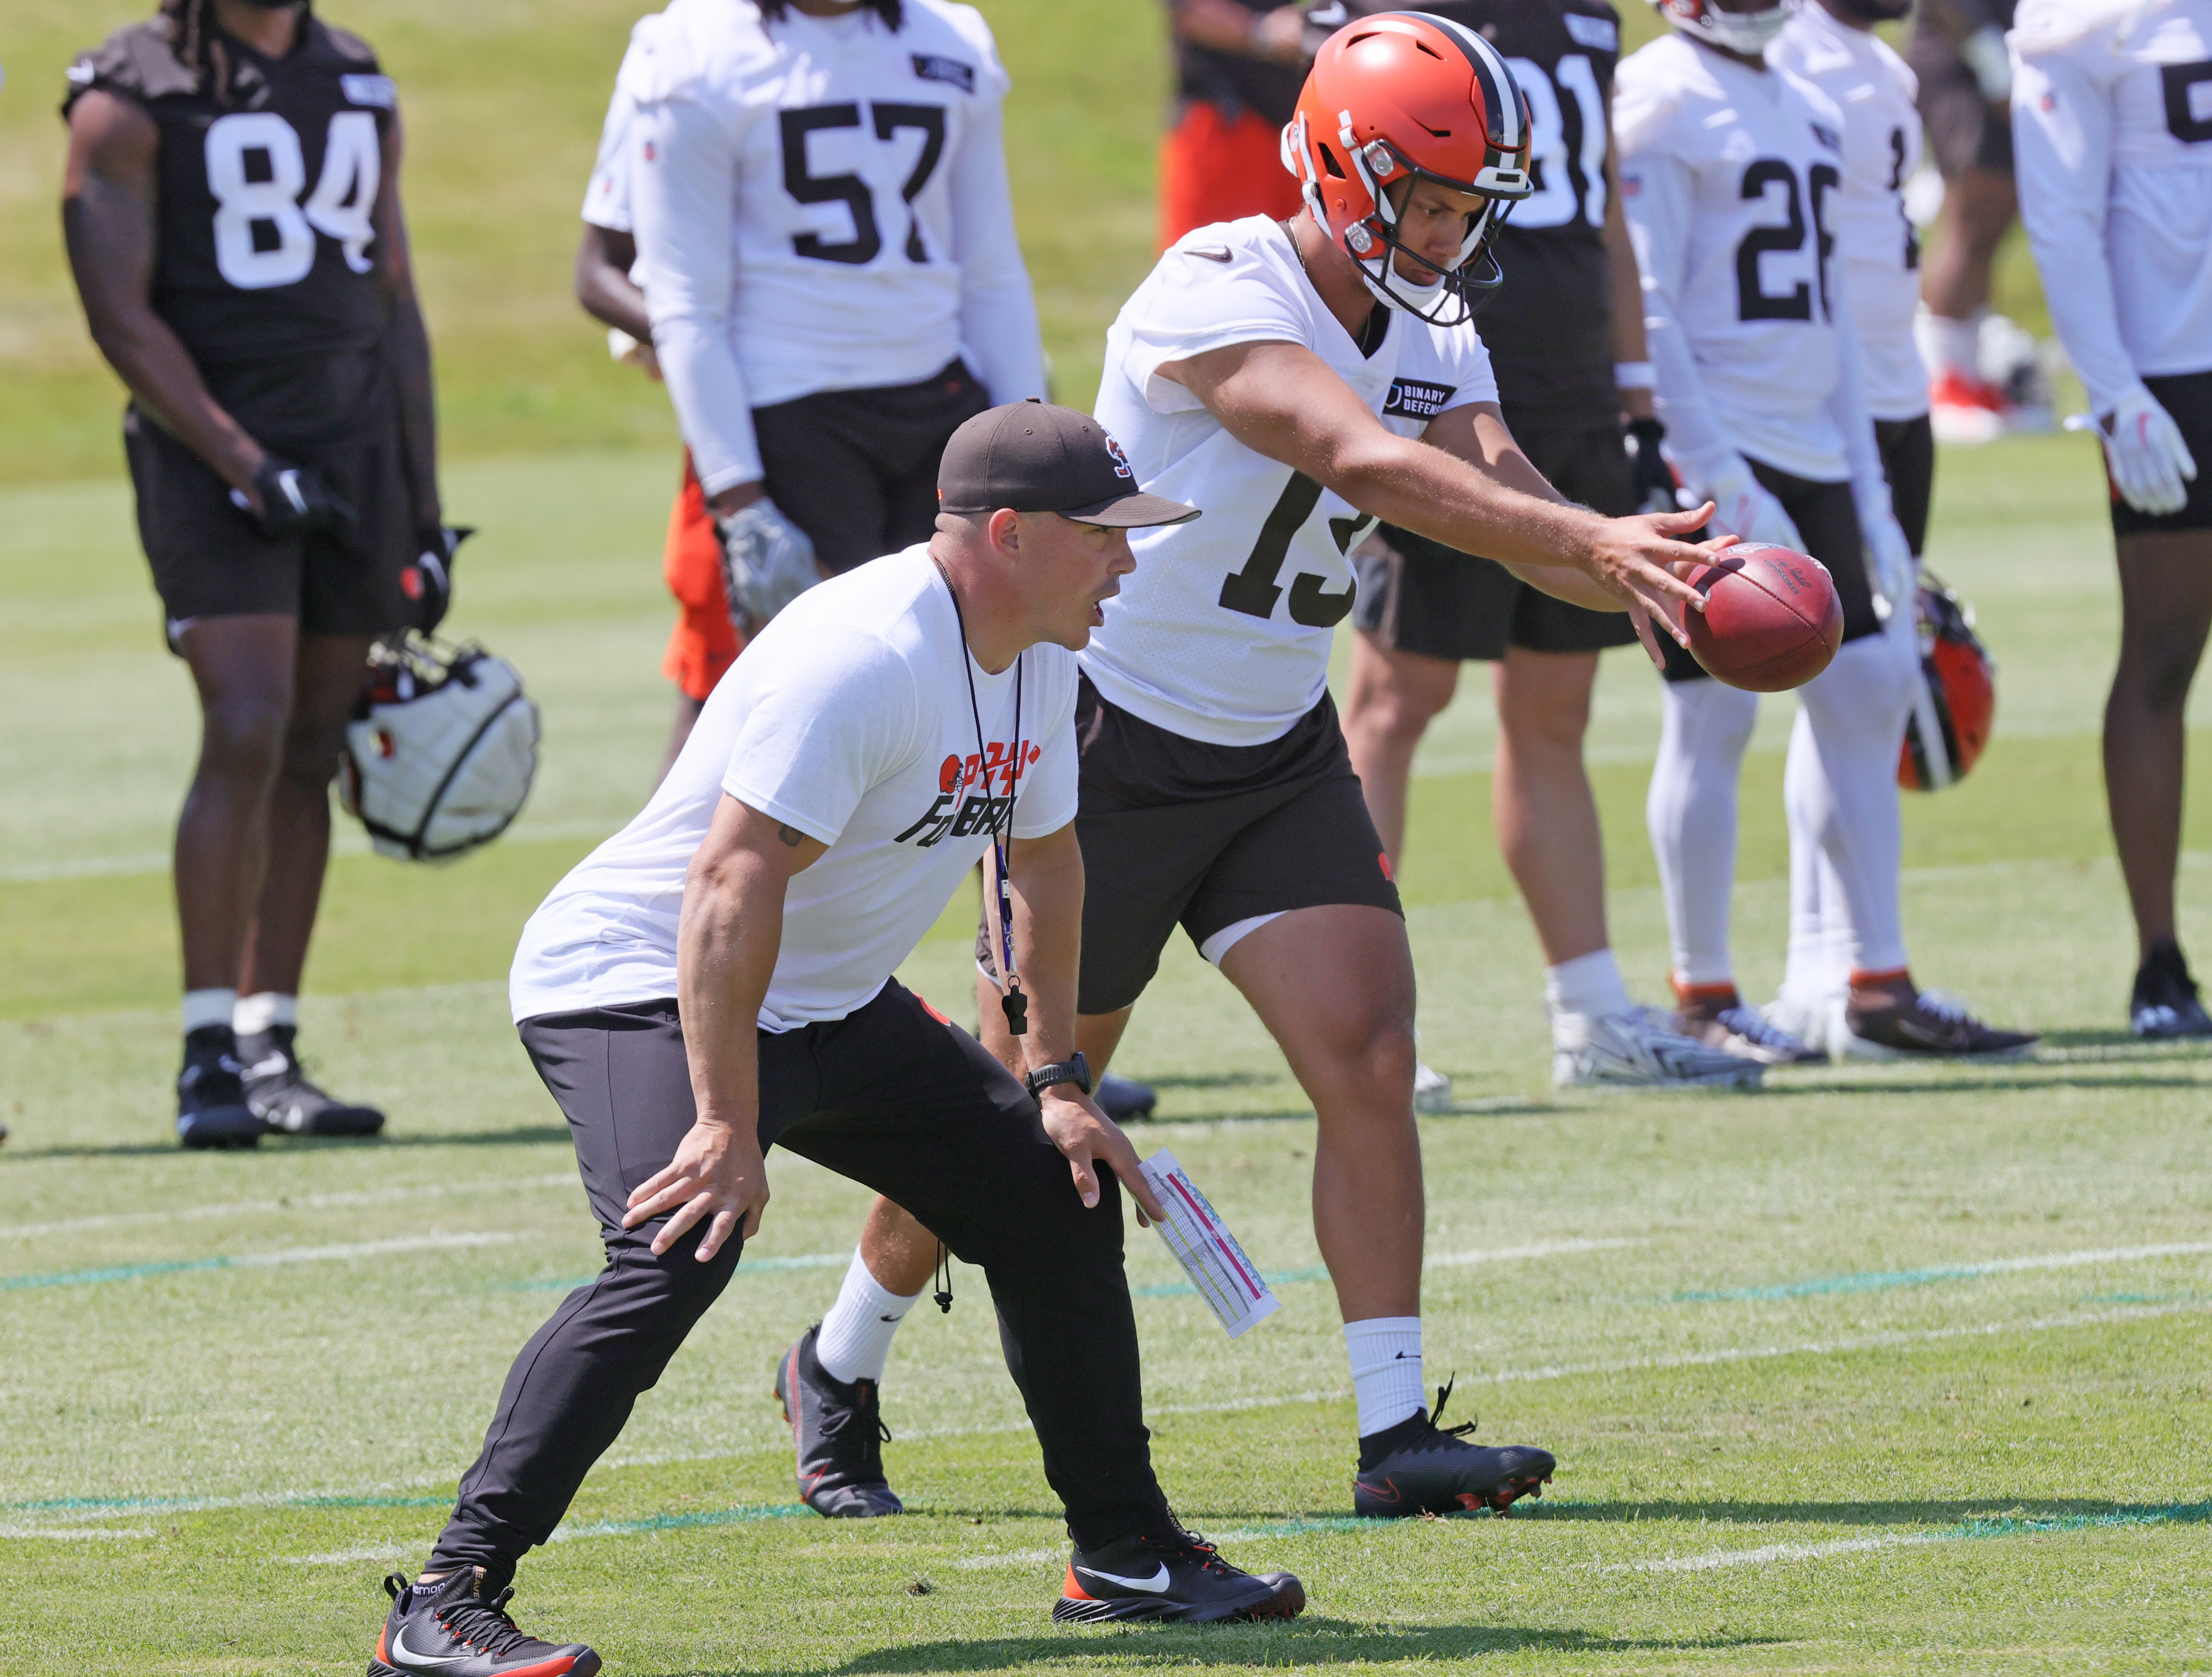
81,1278
726,1516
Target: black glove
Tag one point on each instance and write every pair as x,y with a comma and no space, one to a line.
429,582
1655,479
294,501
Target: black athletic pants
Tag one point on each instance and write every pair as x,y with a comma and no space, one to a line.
890,1096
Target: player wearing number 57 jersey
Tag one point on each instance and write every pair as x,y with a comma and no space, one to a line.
1730,168
231,210
827,248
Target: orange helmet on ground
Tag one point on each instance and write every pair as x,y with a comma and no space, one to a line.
1405,96
1954,704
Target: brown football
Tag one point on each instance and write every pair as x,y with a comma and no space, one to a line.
1772,620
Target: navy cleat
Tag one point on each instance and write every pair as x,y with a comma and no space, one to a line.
454,1629
1417,1468
211,1109
1173,1575
2164,1005
837,1433
284,1098
1124,1100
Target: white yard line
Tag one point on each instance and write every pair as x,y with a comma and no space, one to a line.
72,1534
1542,1248
1714,1559
382,1196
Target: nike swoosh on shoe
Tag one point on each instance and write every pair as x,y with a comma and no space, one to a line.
1155,1584
401,1653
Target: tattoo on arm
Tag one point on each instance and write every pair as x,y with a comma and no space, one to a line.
791,836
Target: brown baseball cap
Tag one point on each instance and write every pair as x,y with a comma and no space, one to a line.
1035,458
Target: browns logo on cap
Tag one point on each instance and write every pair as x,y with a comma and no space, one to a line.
1035,458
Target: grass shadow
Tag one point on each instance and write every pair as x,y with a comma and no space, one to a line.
532,1135
1958,1512
1299,1644
2031,1076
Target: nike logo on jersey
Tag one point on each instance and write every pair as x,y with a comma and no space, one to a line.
1212,256
401,1653
1154,1585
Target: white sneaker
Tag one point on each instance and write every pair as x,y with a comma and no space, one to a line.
1431,1090
1639,1048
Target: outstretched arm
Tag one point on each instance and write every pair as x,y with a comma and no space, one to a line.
108,209
725,951
1282,400
406,340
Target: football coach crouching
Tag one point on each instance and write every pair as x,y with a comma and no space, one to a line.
716,979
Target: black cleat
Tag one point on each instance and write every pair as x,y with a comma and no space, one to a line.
453,1629
1417,1468
2164,1003
837,1433
286,1100
1124,1100
211,1109
1170,1575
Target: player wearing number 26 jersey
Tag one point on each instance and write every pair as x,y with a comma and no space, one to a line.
1731,170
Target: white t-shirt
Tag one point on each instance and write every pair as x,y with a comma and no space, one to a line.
1223,634
606,199
1876,243
847,717
821,205
1729,175
2112,107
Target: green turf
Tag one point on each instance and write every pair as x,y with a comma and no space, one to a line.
1803,1424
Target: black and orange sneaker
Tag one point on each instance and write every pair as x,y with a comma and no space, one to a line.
837,1434
1418,1467
454,1629
1889,1016
1172,1576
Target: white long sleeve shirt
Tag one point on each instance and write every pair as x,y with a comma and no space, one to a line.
2112,107
821,205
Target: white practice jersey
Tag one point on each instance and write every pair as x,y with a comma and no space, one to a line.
606,199
849,718
1874,90
821,205
1729,176
2112,134
1223,632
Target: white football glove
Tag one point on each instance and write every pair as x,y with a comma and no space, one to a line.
767,562
2151,464
1889,566
1983,52
1742,505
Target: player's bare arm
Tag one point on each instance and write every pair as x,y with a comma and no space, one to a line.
605,256
108,209
406,340
731,928
1282,400
1629,347
1045,879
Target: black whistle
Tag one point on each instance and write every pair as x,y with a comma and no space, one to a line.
1017,1012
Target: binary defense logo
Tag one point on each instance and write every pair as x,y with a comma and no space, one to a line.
1415,398
933,67
973,795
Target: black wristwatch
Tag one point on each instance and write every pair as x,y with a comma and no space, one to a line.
1076,1071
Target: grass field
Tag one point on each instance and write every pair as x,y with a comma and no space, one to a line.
1894,1370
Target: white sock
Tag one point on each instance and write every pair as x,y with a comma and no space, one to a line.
1691,812
1589,984
1818,969
1957,344
207,1007
264,1010
1386,1371
1839,788
856,1335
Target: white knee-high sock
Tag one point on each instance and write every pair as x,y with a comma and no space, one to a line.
1691,811
1839,788
1385,1353
856,1335
1818,968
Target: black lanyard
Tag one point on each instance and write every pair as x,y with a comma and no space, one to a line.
1016,1004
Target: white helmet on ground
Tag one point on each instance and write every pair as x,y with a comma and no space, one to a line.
1738,25
441,748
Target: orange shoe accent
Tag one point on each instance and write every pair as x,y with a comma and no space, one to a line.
1072,1590
1952,388
1724,991
1863,979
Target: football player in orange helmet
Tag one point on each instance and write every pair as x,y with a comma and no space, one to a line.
1300,380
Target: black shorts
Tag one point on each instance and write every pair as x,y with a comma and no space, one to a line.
211,559
1828,521
1908,461
1178,831
2188,398
856,470
1420,596
1963,129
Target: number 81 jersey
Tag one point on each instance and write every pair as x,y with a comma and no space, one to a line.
1223,632
264,244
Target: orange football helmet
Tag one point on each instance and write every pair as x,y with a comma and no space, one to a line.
1398,96
1954,701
